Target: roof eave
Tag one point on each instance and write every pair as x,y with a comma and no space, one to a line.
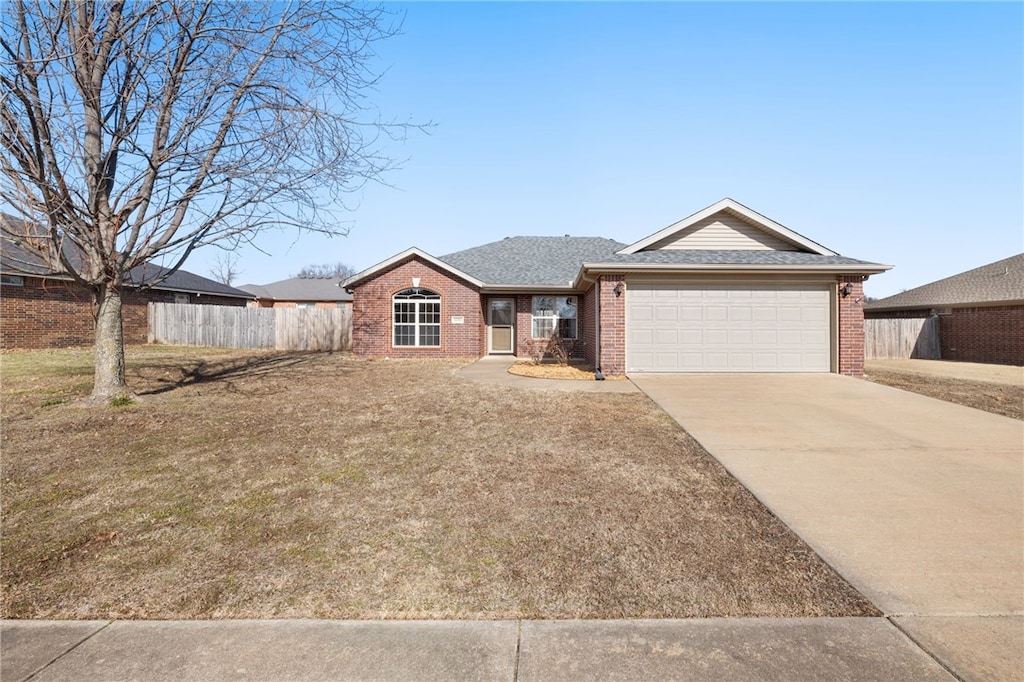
938,306
398,259
722,268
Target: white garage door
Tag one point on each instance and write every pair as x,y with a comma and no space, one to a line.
727,328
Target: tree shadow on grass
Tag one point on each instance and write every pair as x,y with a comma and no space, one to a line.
225,373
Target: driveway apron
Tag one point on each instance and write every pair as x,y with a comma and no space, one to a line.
918,503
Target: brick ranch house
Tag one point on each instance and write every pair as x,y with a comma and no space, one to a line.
980,312
42,310
724,290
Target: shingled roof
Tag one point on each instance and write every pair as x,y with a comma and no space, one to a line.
15,260
300,289
996,283
541,261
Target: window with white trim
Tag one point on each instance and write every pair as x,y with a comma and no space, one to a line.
12,280
554,314
416,319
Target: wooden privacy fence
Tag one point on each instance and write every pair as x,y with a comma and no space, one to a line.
179,324
901,338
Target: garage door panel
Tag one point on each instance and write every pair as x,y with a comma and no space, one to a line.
728,328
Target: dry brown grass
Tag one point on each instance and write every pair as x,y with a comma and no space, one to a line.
1004,399
311,485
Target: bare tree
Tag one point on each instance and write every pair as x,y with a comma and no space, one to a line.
225,268
134,133
325,270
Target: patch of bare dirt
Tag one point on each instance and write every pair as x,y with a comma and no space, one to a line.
998,398
269,485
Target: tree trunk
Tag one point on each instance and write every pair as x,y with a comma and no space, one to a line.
109,379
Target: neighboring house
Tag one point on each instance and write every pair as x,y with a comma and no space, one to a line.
724,290
980,312
41,310
300,292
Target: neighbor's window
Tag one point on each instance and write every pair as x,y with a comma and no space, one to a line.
181,298
305,305
554,313
417,318
13,280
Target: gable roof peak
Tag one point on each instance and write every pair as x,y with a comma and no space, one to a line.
759,222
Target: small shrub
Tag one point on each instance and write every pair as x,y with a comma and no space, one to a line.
121,401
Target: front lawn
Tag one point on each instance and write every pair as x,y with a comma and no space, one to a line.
255,485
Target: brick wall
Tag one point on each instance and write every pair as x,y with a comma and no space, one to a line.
50,313
993,335
851,326
372,313
613,325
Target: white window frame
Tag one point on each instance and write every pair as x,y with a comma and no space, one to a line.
550,312
423,301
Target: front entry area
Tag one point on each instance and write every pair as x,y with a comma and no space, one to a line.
501,315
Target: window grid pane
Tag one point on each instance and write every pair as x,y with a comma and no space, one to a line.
416,318
554,313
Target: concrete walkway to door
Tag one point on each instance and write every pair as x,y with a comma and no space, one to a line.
917,502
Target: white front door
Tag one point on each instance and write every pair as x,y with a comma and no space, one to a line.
501,315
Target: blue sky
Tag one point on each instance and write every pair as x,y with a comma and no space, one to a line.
890,132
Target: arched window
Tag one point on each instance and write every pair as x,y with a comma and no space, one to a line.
417,318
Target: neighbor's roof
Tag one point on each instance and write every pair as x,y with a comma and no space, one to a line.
15,260
999,282
300,289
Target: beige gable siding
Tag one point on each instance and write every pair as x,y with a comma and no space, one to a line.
722,231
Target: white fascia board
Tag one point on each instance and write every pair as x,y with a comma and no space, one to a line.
753,216
413,252
589,269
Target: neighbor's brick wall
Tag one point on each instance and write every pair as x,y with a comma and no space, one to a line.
851,326
50,313
372,313
613,325
993,335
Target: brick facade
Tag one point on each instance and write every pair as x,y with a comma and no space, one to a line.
372,313
52,313
989,334
851,326
992,335
612,324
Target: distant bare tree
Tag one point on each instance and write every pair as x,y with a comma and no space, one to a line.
225,268
338,271
136,132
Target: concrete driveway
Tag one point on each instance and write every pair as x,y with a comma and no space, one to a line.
917,502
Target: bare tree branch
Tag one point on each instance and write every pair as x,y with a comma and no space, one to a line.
136,132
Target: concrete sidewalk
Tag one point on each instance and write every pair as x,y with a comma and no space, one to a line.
917,502
708,649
